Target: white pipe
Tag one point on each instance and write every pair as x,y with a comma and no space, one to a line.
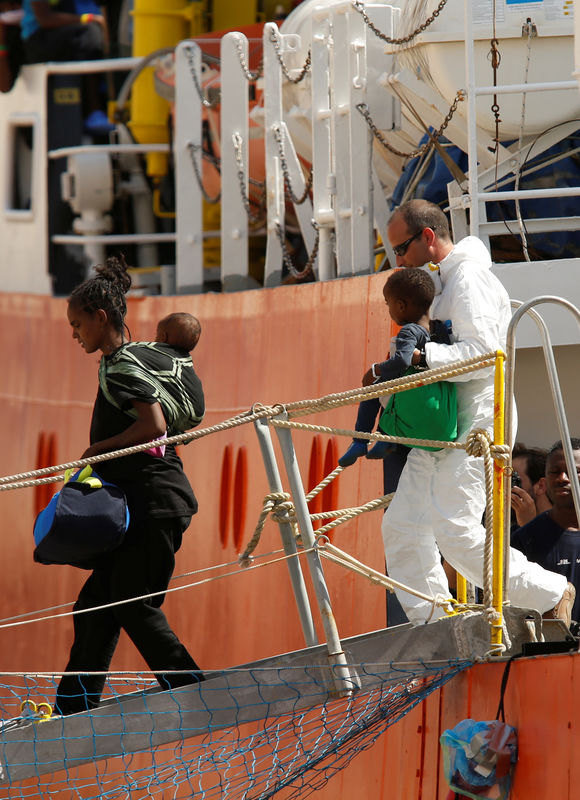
471,120
64,152
568,191
514,88
128,238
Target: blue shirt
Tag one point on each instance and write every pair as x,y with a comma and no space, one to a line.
542,540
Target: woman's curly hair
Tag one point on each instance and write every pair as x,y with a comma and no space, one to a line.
106,289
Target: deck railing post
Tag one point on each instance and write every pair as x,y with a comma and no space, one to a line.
299,587
344,682
188,169
234,165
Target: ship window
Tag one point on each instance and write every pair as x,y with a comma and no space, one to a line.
19,174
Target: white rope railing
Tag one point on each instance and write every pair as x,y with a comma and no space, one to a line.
279,505
299,408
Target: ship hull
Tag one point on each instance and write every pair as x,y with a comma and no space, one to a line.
267,346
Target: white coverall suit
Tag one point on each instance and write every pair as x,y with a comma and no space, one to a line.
440,498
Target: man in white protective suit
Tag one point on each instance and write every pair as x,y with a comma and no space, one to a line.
440,499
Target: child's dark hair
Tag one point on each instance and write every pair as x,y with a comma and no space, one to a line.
106,289
183,329
413,286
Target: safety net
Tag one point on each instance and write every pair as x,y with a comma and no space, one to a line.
245,733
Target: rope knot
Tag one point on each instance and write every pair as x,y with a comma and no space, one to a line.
280,506
501,452
283,510
491,615
478,442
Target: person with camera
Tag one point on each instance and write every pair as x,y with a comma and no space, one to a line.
529,497
552,539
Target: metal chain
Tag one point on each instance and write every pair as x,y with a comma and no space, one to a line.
192,71
298,200
287,257
306,68
237,142
358,6
363,109
251,76
192,149
495,58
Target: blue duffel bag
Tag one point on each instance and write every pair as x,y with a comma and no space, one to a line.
87,519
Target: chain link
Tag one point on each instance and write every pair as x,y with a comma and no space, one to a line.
298,200
287,257
251,76
192,71
193,149
278,50
237,142
495,58
363,109
359,6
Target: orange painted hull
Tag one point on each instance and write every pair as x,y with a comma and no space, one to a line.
268,346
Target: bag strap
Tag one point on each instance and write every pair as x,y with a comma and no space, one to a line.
108,396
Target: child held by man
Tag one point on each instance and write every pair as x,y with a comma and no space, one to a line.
425,412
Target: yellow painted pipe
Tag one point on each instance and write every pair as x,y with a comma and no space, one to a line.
461,588
155,25
498,507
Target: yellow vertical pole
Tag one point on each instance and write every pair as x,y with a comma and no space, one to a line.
227,15
498,506
155,25
461,588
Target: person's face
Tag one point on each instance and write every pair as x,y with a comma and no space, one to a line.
558,486
89,329
519,463
417,252
396,307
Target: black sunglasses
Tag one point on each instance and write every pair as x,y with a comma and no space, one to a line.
401,249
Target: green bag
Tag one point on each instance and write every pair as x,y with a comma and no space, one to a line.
426,412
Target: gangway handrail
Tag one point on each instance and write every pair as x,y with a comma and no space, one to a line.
522,309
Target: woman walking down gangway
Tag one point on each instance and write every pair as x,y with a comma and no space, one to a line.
161,503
